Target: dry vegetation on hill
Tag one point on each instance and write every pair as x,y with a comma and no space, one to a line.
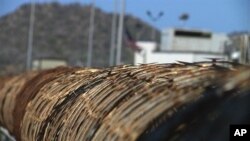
61,31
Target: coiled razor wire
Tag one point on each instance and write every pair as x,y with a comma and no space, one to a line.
146,102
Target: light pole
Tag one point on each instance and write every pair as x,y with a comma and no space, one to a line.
113,34
91,34
120,32
154,19
30,36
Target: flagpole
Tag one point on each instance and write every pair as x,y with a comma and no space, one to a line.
113,34
30,36
91,34
120,32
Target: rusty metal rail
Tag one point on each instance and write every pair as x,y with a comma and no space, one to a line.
146,102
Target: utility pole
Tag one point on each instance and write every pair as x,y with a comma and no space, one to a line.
113,35
91,34
120,32
30,36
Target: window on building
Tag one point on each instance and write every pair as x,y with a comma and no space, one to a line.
193,34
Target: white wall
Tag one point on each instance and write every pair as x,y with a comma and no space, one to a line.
167,36
148,55
168,57
48,64
192,44
147,49
218,42
181,43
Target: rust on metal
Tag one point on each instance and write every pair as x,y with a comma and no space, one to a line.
120,103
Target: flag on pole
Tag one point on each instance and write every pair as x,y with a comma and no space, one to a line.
130,41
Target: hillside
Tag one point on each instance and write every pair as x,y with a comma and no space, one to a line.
61,31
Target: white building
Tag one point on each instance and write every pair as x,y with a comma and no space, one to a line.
238,48
48,63
182,45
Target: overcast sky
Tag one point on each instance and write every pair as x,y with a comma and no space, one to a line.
215,15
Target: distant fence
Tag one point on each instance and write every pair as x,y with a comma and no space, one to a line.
245,49
147,102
